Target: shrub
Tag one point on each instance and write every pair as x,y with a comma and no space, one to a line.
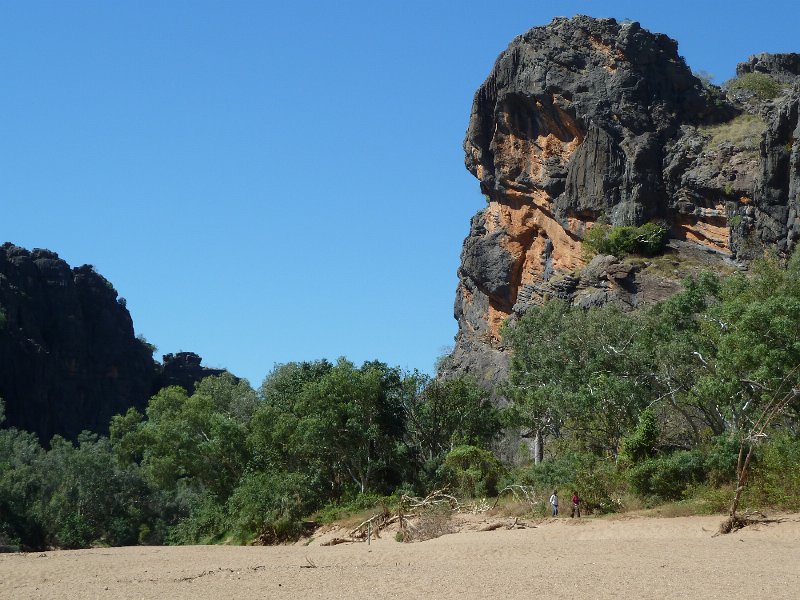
205,522
472,471
776,476
334,511
762,85
74,533
596,480
641,443
667,477
268,503
720,459
744,132
647,240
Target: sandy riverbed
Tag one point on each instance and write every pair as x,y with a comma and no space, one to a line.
595,558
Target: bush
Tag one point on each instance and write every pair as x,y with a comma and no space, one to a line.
775,480
270,504
721,456
597,481
75,533
647,240
205,523
641,443
471,471
743,132
667,477
334,511
762,85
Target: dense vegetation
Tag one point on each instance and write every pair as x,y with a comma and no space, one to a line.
635,408
229,462
656,401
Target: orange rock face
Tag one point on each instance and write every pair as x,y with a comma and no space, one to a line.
711,230
585,119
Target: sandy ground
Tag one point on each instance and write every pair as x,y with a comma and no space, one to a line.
627,558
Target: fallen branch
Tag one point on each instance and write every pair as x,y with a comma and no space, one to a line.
519,492
337,541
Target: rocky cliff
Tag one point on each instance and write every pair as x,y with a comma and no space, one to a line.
69,359
588,119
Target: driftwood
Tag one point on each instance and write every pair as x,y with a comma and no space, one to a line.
434,507
411,506
516,524
520,492
336,541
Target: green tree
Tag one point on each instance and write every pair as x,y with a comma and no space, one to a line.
20,488
449,413
194,438
337,423
754,343
472,471
581,373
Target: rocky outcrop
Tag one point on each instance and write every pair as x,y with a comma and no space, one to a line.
69,359
184,369
587,119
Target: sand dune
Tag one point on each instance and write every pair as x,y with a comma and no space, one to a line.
594,558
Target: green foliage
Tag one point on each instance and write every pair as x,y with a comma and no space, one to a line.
582,371
187,437
720,457
472,472
3,318
667,477
762,85
341,425
74,532
269,502
596,480
339,510
21,485
776,474
449,413
203,522
649,239
753,336
641,444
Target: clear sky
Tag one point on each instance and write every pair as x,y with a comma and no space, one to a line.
275,181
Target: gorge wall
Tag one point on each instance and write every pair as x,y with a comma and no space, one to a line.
69,359
587,119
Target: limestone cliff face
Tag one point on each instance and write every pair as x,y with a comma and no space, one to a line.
588,118
69,359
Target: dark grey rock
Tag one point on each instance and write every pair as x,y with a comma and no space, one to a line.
69,359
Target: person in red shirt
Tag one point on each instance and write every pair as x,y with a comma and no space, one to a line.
576,505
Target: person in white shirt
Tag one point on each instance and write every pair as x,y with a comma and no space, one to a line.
554,502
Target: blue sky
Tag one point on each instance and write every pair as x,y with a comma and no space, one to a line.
266,182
